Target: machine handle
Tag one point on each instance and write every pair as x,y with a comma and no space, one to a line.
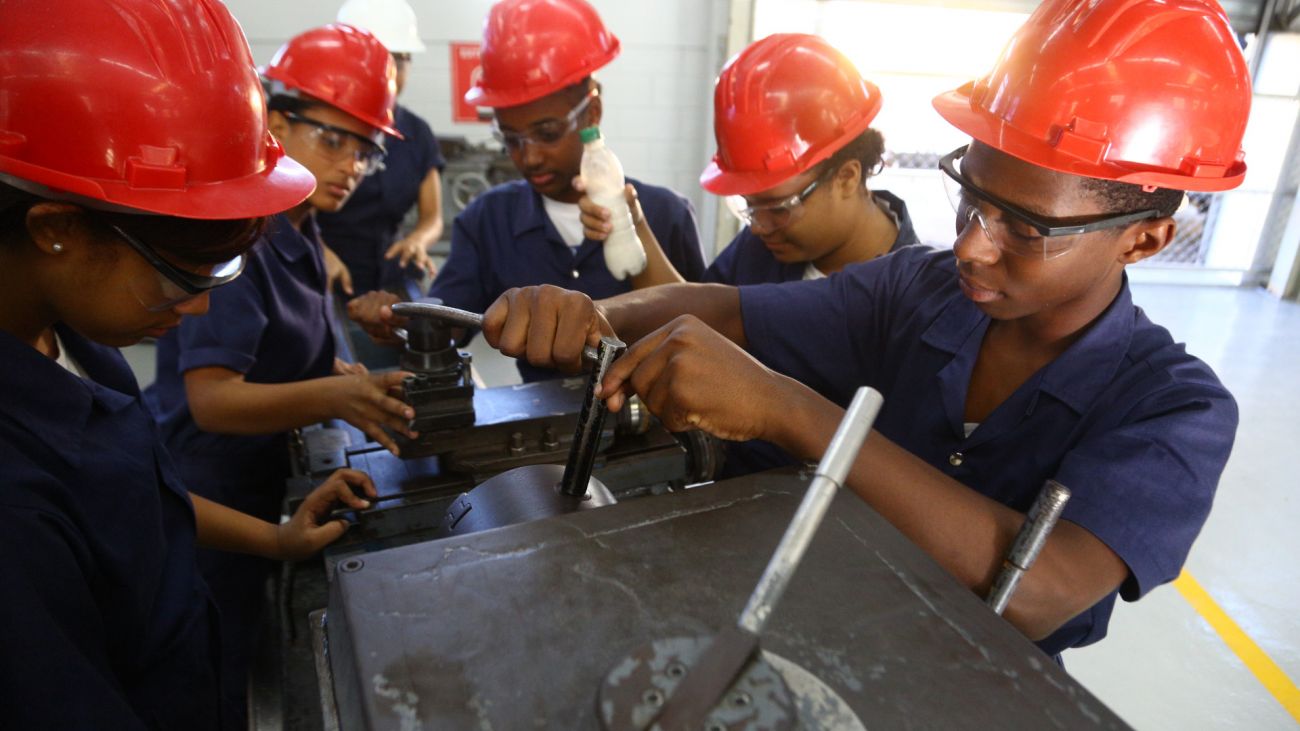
459,318
1029,542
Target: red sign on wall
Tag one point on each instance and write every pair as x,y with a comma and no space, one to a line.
465,71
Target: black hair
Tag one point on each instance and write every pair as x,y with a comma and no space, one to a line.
287,104
1119,197
201,241
867,148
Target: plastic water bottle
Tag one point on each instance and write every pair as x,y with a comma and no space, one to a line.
603,174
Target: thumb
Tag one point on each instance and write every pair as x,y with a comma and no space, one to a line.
327,533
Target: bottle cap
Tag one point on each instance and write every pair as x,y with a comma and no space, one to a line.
590,134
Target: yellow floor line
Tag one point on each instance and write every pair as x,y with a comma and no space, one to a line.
1257,661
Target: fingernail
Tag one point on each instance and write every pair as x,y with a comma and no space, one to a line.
365,504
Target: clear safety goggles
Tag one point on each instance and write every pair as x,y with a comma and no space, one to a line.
336,144
775,215
1015,230
545,133
170,285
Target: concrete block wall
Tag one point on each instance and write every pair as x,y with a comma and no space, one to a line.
658,92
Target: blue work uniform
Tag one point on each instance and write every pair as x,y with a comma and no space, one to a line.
273,325
104,619
747,261
367,225
505,239
1136,428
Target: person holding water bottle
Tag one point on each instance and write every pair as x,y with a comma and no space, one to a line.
538,58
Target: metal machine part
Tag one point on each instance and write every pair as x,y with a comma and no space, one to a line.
440,388
482,630
1029,542
729,657
520,495
591,420
773,693
540,491
457,317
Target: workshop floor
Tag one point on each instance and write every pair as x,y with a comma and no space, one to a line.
1221,648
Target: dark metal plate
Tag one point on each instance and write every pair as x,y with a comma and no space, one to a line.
516,628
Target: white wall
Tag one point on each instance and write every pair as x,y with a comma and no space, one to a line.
658,92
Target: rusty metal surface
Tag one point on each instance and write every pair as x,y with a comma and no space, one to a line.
517,628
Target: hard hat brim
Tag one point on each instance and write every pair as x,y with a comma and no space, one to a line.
271,191
955,107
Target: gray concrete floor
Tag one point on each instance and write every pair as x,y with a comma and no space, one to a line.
1164,666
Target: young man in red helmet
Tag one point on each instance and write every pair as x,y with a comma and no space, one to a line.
1016,357
231,385
115,223
538,58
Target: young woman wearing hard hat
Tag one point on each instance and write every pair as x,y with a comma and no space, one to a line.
262,362
363,235
136,169
1016,357
792,121
538,58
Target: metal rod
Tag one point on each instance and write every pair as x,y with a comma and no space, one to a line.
586,440
832,470
1029,542
458,317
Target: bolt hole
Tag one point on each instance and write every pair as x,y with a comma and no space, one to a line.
676,670
740,700
653,697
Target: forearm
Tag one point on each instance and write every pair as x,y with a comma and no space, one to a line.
967,533
658,270
226,529
636,313
235,406
428,228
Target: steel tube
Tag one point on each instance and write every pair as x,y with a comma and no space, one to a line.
831,471
1029,542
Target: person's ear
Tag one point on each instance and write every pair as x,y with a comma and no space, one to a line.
54,228
278,123
848,179
1145,239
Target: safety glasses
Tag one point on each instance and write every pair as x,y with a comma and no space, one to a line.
1013,229
337,144
776,215
172,285
545,133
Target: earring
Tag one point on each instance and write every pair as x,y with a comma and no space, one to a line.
57,247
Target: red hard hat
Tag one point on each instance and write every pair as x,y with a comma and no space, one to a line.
343,66
1152,92
781,106
149,106
533,48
